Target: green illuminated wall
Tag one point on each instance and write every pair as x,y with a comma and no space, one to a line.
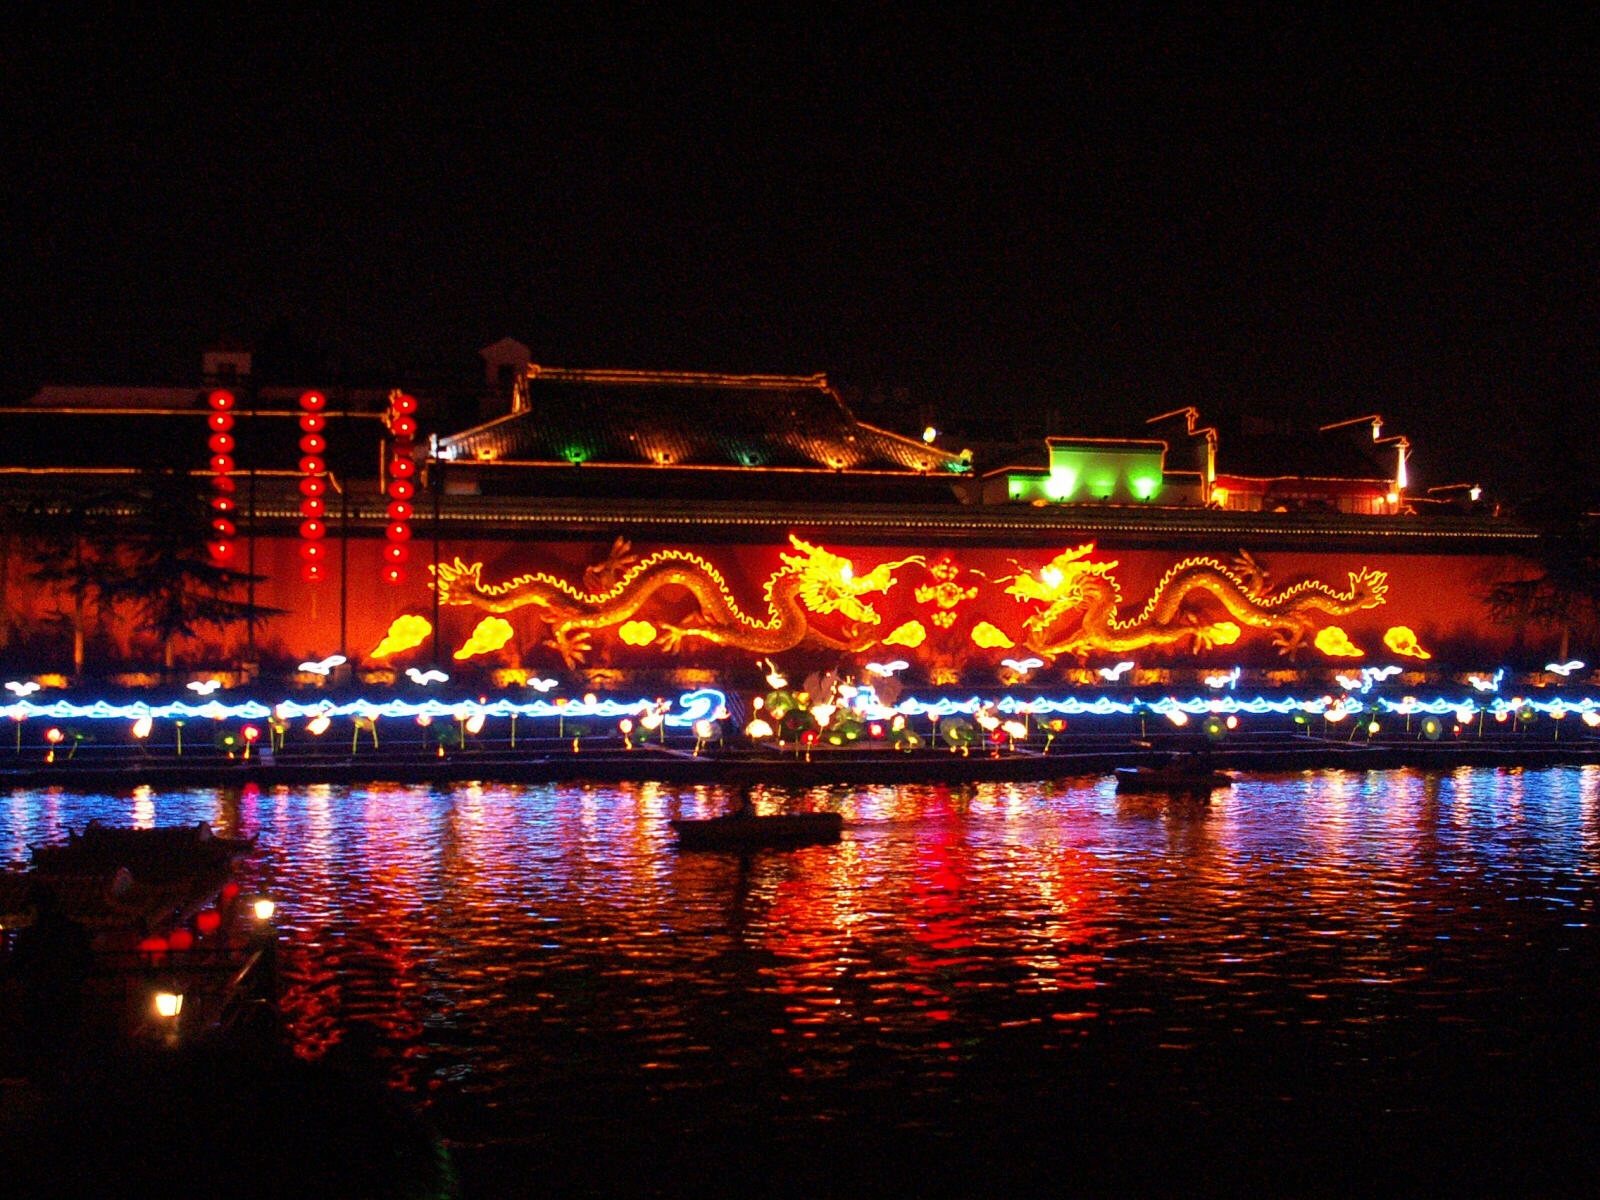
1087,472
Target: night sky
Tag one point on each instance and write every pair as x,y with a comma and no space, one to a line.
1313,215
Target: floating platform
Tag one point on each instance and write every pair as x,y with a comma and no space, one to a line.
749,832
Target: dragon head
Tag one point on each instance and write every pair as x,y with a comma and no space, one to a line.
457,582
1065,580
829,584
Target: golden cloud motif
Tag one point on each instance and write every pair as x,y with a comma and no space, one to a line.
990,638
1336,643
912,633
490,634
637,633
405,633
1403,640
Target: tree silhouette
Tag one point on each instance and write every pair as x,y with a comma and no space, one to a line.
1565,593
70,536
169,581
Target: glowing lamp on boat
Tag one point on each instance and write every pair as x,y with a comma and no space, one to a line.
169,1004
263,909
758,729
141,727
318,725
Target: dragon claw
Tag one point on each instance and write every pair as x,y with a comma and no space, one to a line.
572,646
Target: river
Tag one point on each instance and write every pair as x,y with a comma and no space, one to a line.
1312,983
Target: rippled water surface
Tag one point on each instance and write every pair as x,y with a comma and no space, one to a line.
1014,969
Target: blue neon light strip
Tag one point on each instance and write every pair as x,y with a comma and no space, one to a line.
707,703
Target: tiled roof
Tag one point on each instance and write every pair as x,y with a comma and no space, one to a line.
681,419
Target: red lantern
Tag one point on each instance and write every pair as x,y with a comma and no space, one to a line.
208,921
398,531
180,939
399,510
403,404
403,428
312,530
401,489
313,401
155,946
221,443
312,485
402,468
397,552
312,465
221,551
230,892
312,506
313,443
393,574
222,464
222,504
222,484
313,422
311,572
220,400
312,551
223,528
220,422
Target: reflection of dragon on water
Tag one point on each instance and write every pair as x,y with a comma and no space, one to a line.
808,583
1081,599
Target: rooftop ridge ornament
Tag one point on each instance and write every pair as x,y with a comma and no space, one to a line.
705,379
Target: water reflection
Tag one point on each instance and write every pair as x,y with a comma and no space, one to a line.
509,954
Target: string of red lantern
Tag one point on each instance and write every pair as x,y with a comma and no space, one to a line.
313,486
402,422
221,445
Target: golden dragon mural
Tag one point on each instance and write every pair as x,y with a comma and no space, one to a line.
1081,601
810,582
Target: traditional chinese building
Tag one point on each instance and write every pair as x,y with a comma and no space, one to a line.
612,524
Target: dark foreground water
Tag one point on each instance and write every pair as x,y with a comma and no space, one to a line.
1317,983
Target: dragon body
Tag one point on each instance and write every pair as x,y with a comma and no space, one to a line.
810,582
1081,611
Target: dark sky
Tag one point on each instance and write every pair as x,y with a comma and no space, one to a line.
1311,213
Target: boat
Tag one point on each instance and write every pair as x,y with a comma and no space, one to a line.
747,831
1180,777
158,853
164,923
